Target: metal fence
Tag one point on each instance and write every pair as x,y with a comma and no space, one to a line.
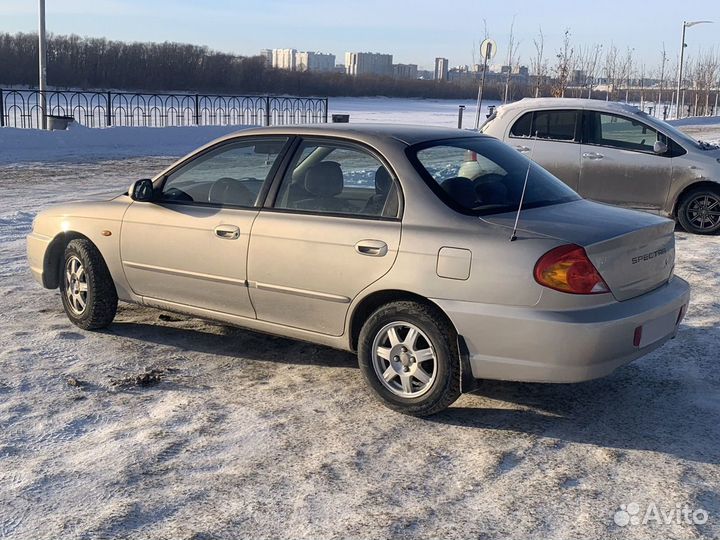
23,109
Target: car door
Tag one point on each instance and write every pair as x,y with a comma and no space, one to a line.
552,138
332,229
189,246
619,165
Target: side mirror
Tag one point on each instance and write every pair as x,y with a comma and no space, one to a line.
141,190
660,147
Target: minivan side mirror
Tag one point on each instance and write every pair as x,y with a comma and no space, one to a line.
660,147
141,190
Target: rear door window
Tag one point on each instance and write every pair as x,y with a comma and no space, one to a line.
338,178
549,125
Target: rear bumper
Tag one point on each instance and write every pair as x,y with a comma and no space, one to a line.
37,245
532,345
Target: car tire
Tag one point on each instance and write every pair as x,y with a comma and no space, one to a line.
691,206
408,354
86,287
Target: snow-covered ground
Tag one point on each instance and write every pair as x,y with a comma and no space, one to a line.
82,144
245,435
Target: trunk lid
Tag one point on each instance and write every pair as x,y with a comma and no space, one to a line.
633,251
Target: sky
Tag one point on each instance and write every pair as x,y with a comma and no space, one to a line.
413,31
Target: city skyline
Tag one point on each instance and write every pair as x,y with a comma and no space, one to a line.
413,33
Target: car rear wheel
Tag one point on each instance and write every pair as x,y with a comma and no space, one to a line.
699,211
408,354
88,292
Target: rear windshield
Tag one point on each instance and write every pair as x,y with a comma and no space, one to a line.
481,176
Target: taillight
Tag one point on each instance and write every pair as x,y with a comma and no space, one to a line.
568,269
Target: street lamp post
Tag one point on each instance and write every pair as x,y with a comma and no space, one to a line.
42,65
686,25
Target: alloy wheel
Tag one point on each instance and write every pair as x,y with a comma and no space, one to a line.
404,359
703,212
76,285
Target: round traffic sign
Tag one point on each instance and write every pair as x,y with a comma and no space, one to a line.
488,48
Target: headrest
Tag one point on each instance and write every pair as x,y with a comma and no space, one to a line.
230,191
461,190
382,181
324,179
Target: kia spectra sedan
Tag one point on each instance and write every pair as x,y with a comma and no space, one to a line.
397,242
615,153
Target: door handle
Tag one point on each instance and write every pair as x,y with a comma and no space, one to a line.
592,155
522,149
372,248
227,232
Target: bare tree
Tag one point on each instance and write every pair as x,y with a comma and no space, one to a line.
625,71
538,63
512,49
663,61
708,68
611,71
592,66
563,67
641,75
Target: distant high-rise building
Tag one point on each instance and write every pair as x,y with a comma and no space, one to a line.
441,69
284,58
267,56
405,71
314,61
364,63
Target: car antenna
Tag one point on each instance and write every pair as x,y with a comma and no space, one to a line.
513,237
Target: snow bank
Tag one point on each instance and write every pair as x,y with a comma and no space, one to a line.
80,143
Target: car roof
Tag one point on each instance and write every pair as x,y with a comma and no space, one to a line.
570,103
369,133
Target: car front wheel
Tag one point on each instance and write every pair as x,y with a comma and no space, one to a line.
88,292
408,354
699,211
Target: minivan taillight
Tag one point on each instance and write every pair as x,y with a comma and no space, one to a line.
568,269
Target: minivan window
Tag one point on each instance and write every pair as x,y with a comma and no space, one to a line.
551,125
523,127
480,176
621,132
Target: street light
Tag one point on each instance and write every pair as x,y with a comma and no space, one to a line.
686,24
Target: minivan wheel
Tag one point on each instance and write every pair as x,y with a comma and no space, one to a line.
86,287
408,354
699,211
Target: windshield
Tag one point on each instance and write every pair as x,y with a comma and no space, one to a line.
480,176
671,131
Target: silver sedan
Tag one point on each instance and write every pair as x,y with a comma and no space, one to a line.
439,256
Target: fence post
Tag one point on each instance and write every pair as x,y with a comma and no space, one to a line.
267,110
108,110
327,106
197,110
2,109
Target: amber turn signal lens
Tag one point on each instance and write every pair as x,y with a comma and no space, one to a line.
568,269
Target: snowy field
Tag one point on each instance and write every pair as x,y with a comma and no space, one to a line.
166,427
